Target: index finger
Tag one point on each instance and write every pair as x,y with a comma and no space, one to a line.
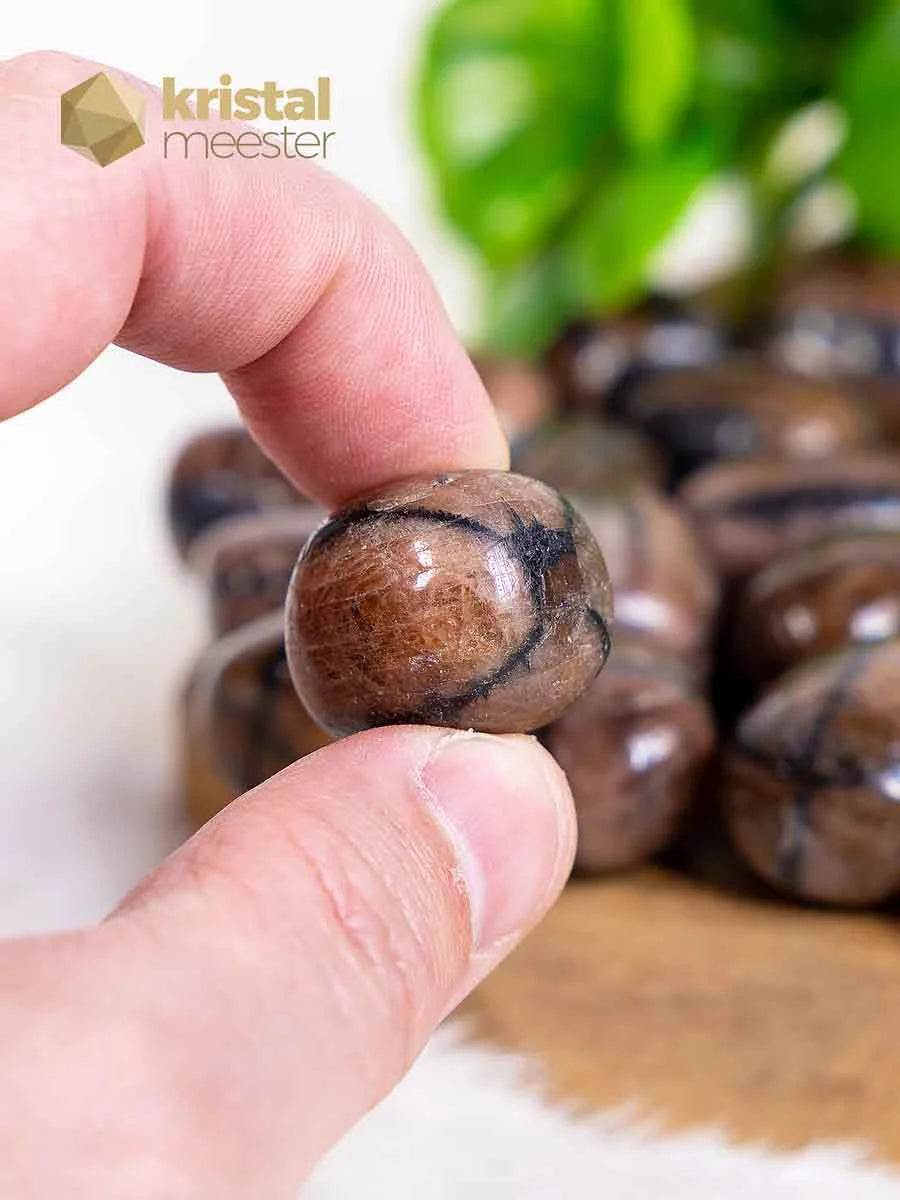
309,302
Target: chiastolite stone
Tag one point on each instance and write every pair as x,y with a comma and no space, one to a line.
246,562
477,599
243,721
744,409
220,475
749,513
811,786
635,747
584,453
664,589
827,596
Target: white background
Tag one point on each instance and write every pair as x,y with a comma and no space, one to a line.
97,623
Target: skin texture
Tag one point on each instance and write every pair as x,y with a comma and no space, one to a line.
476,599
810,785
744,409
274,978
834,593
635,748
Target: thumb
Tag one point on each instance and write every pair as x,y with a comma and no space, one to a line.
281,970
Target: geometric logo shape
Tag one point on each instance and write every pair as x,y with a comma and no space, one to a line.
102,119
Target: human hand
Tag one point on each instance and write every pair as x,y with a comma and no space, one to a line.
275,976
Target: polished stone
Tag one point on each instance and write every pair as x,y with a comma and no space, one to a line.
749,513
815,600
636,747
220,475
473,599
811,785
743,408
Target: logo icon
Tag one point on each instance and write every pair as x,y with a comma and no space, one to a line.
102,119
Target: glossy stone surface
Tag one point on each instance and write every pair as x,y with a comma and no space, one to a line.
584,454
220,475
475,599
522,393
246,562
838,316
665,592
593,358
812,601
635,747
743,408
243,719
747,514
811,787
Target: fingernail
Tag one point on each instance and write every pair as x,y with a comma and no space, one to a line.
506,807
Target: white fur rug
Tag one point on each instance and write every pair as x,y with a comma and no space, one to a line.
464,1123
96,628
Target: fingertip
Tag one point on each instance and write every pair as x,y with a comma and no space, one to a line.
507,808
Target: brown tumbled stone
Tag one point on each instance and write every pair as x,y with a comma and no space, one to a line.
741,408
635,747
592,358
665,592
814,600
748,513
220,475
475,599
811,786
246,562
243,719
584,453
838,316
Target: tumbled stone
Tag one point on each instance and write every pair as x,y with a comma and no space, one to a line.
474,599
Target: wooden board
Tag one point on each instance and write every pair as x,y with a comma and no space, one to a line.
700,1006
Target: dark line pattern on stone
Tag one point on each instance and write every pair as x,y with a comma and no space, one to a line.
790,856
363,516
844,775
593,616
537,549
825,498
602,631
194,508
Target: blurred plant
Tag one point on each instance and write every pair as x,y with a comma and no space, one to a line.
568,137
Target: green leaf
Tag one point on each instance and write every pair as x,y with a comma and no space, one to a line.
819,19
511,100
508,202
869,74
752,70
608,250
526,307
870,88
656,69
